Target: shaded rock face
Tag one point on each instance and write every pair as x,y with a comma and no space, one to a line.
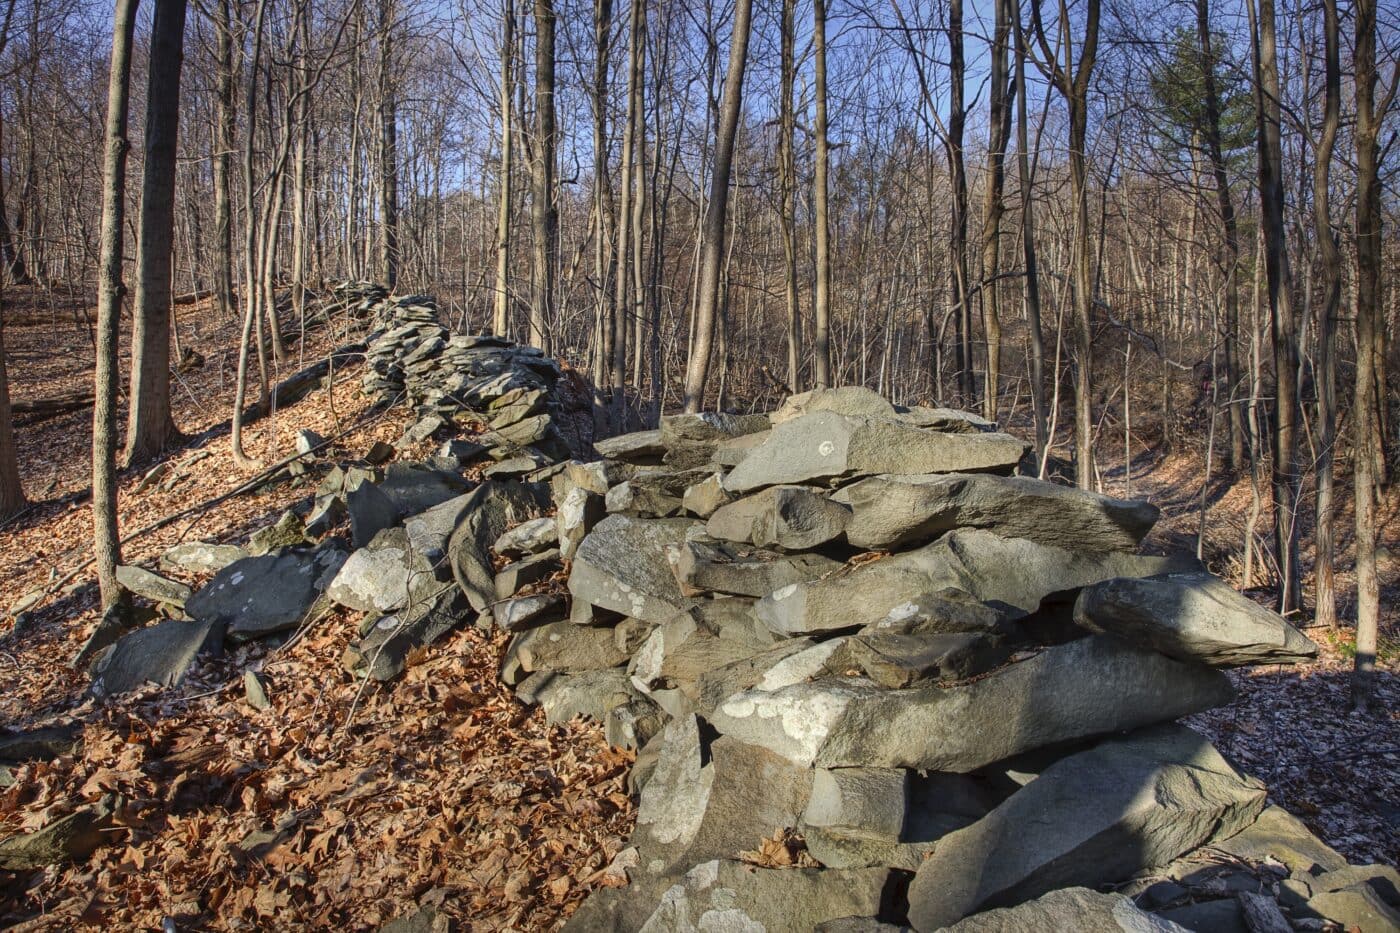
1090,819
791,518
1077,909
1191,617
259,596
625,564
159,654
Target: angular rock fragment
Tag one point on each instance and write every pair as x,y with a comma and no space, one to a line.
386,575
371,511
625,564
1078,909
895,512
1191,617
843,400
386,647
1011,574
894,660
1048,699
161,654
591,694
637,447
728,895
491,508
701,499
516,615
718,567
67,839
260,596
152,586
1090,819
199,557
791,518
530,537
579,510
713,803
564,648
515,577
824,446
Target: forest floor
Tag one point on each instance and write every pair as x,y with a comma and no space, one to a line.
348,805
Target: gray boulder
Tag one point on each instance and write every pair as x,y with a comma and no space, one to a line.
1281,836
713,803
371,511
530,537
161,654
691,439
824,446
1192,617
680,651
637,447
385,649
579,511
1077,909
791,518
200,557
386,575
705,567
67,839
703,498
726,896
894,512
950,420
1011,574
625,564
522,573
260,596
152,586
416,487
516,615
896,660
564,647
1085,688
1091,819
591,694
715,686
491,508
843,400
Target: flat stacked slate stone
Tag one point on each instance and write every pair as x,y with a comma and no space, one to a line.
847,629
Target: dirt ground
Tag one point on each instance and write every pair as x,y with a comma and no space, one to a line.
348,806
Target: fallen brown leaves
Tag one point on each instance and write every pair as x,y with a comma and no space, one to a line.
446,788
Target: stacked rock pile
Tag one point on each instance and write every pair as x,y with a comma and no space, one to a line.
873,678
444,375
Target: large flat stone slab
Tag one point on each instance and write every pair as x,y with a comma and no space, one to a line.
160,654
825,446
390,641
490,509
260,596
626,564
1085,688
895,512
1091,819
1012,574
791,518
1192,617
742,570
1077,909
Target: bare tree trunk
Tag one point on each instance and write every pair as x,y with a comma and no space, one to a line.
223,160
957,170
106,541
1330,263
626,226
821,297
388,149
1280,284
1370,114
150,428
999,117
1231,260
787,184
11,491
251,300
500,319
712,243
1032,277
543,211
604,348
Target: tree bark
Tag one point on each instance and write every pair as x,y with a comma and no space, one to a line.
1282,318
957,169
787,185
713,234
1370,114
11,491
544,213
1231,260
500,318
821,297
224,121
1032,276
388,150
999,118
1330,265
150,428
106,542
